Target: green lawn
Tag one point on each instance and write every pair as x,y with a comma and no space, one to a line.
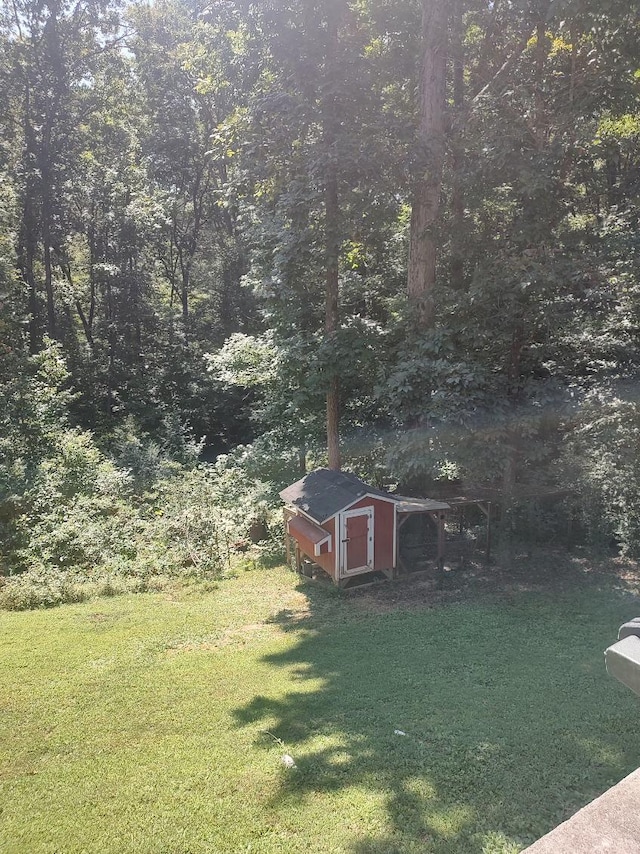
157,722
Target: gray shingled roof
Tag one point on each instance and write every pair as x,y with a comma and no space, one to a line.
324,492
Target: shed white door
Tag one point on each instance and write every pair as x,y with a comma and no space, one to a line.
356,540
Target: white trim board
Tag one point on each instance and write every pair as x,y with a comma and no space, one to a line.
369,495
395,537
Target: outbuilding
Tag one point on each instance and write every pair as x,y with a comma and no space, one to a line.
346,526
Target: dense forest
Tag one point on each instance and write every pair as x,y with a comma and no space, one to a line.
241,239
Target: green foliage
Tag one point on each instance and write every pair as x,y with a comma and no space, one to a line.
246,361
148,459
183,530
103,534
47,588
33,415
88,515
248,479
162,212
605,454
79,519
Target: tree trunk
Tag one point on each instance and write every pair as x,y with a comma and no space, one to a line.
457,165
426,195
111,337
332,238
184,299
540,60
26,259
332,319
48,155
135,311
46,172
48,269
27,244
513,441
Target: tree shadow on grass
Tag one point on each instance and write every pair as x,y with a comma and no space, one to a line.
510,720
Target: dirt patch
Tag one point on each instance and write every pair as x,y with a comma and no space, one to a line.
237,636
543,570
98,618
101,619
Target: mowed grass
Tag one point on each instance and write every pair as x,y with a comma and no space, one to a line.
157,722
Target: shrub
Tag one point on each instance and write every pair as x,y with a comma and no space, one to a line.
86,524
46,588
604,452
38,589
183,530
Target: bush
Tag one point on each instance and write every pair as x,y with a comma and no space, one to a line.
48,587
604,452
38,589
183,530
90,521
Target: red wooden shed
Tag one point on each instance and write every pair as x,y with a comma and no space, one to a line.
348,527
342,524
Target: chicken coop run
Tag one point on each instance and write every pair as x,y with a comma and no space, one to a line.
349,528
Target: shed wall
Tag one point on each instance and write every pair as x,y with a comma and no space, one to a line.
384,520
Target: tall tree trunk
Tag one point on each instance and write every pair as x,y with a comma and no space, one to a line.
332,237
332,316
92,274
457,166
426,194
135,311
53,57
27,244
111,381
48,268
26,259
513,441
26,256
45,160
540,60
184,299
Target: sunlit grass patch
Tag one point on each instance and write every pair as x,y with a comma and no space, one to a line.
159,722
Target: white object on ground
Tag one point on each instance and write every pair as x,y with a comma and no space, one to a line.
398,732
288,761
